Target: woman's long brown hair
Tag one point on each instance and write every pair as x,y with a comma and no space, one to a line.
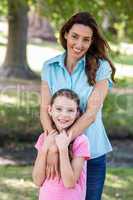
98,49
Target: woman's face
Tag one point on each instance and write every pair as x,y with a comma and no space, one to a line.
78,39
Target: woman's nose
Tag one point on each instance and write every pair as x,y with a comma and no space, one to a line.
78,44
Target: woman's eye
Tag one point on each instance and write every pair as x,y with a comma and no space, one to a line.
87,40
74,36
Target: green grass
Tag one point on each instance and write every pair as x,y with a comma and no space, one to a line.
119,184
119,55
16,183
126,82
45,50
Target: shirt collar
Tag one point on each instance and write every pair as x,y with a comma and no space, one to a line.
60,59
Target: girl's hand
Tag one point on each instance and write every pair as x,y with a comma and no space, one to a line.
63,140
52,166
49,141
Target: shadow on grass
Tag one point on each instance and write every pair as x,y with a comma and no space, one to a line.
119,184
16,183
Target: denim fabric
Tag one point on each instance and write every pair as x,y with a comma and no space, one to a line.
96,170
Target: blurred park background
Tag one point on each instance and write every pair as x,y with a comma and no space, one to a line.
29,31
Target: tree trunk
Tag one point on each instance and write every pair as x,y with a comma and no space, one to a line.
15,63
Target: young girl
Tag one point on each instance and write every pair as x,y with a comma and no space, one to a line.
64,110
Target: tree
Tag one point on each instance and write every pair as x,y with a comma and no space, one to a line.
118,12
15,63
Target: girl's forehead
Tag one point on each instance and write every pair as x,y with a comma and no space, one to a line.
65,101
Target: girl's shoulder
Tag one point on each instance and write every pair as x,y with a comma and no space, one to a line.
81,138
39,141
81,147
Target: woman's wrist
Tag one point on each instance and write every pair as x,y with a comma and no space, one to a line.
44,150
70,131
52,131
54,148
63,149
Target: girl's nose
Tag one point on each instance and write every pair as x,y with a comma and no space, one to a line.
65,114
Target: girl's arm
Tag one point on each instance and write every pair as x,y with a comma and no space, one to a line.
70,171
39,169
94,103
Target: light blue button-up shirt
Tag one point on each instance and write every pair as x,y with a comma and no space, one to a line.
57,76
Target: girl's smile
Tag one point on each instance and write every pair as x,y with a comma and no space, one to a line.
63,112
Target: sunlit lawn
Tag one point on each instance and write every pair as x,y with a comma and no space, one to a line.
37,54
16,183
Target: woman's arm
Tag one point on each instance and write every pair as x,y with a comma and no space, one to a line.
94,103
52,156
45,101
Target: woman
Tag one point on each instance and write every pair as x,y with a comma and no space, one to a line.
84,68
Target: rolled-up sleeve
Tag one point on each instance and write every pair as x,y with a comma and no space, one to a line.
104,73
45,72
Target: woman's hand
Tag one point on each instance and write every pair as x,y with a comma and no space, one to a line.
52,168
63,140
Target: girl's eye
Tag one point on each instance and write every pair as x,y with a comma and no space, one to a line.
58,109
70,110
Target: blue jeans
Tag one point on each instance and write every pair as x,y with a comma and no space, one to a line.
96,170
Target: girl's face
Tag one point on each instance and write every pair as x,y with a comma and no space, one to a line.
63,112
79,39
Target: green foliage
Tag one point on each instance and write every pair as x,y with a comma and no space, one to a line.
3,7
19,111
117,114
118,12
59,11
122,58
